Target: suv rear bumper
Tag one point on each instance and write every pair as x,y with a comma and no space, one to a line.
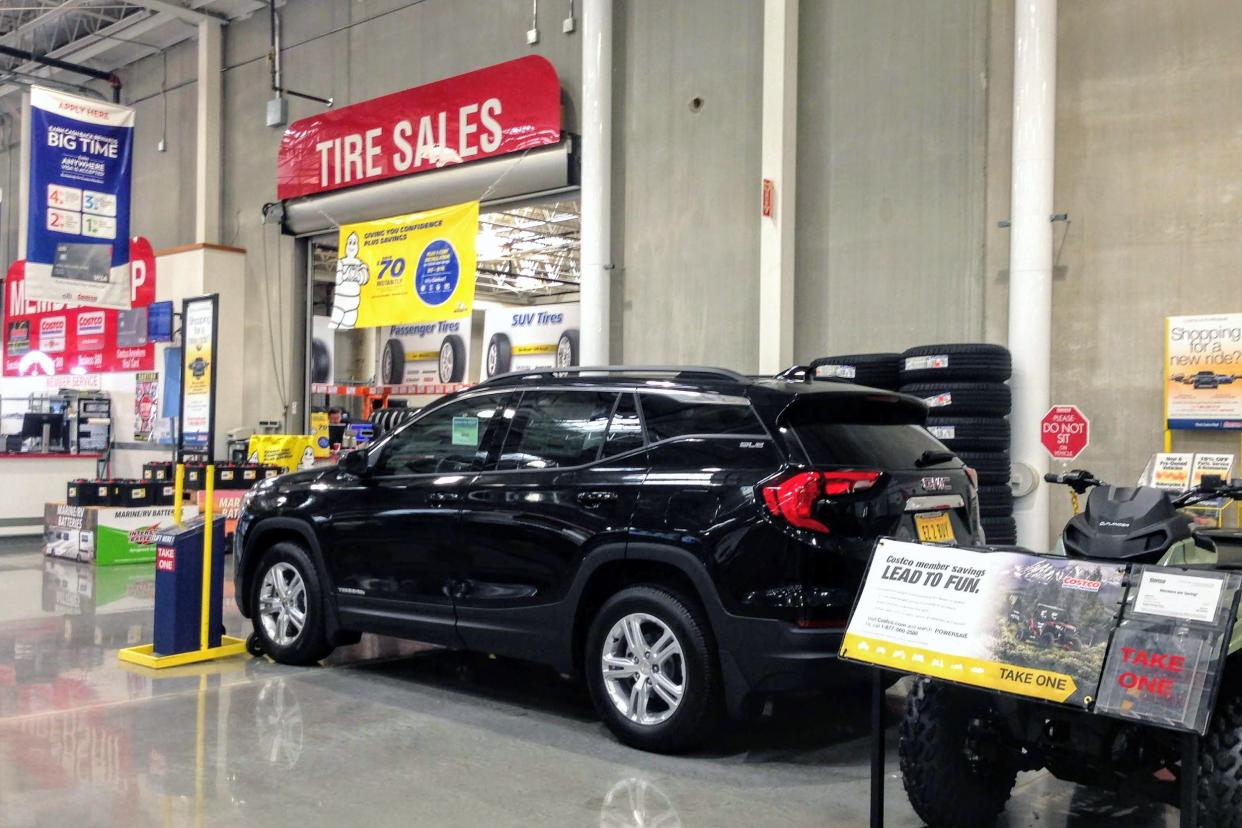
761,656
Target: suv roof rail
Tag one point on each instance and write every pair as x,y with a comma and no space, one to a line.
675,371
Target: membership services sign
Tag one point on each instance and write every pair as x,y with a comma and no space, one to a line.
77,241
407,269
1012,622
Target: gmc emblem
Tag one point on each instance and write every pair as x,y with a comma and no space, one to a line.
936,484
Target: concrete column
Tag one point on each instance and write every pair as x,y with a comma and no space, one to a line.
208,133
23,180
596,254
778,165
1030,250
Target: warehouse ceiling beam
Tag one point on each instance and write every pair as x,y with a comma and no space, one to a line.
189,14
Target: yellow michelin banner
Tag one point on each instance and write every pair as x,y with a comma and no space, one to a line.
407,269
289,451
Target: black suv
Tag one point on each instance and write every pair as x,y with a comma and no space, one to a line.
689,539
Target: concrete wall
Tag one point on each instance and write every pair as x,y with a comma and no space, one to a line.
891,174
1147,167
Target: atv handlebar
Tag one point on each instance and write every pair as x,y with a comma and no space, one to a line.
1078,479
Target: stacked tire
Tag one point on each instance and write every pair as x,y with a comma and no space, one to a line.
964,386
872,370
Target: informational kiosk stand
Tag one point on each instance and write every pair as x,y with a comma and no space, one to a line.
1142,643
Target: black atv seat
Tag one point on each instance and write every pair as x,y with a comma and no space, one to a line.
1227,543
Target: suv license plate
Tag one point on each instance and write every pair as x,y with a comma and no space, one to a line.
934,527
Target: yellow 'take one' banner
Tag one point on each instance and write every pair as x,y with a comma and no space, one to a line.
414,268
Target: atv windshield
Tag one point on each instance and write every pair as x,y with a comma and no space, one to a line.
872,431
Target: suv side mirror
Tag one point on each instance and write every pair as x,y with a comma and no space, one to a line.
355,463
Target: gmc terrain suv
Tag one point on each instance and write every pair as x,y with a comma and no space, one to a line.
689,539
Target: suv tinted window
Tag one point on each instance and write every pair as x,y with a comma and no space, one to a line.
869,430
671,415
446,440
557,428
625,432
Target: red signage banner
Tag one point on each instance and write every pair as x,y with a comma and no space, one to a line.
48,338
500,109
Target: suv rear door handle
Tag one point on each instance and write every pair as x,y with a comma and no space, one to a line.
596,498
443,497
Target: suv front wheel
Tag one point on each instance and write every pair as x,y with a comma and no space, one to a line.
652,671
286,605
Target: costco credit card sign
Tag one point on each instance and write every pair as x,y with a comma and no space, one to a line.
77,242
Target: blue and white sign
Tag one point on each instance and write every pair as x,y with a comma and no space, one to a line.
77,239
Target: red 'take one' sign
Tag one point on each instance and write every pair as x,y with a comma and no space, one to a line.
500,109
1064,432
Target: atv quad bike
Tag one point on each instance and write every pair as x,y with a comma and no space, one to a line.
961,749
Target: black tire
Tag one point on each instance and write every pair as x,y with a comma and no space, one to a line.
970,433
1220,761
698,713
1000,531
995,501
963,399
456,349
874,370
946,787
392,363
971,362
311,643
569,339
993,467
321,361
499,356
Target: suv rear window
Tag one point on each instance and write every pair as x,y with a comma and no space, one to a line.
678,415
854,432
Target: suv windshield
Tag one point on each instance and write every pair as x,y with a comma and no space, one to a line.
862,432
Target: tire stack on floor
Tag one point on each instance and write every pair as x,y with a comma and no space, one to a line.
964,386
874,370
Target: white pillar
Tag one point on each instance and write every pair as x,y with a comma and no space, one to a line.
208,133
23,180
778,164
1030,249
596,253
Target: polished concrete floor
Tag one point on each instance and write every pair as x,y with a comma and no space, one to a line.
389,733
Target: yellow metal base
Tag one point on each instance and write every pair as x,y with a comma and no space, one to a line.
144,654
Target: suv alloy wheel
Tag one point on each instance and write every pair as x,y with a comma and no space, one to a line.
286,606
651,669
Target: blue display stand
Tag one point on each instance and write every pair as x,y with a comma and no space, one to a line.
179,587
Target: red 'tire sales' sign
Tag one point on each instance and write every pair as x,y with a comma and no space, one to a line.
1063,431
505,108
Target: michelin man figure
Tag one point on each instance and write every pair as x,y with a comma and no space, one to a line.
351,274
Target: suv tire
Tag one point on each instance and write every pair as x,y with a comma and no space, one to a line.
875,370
689,664
993,467
945,785
286,572
963,399
972,362
970,433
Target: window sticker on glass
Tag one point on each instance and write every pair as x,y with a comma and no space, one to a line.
466,431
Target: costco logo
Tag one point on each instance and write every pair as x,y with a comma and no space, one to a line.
52,334
91,323
1081,584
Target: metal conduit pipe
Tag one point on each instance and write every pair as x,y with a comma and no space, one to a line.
77,68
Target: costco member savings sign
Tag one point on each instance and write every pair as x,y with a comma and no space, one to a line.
505,108
77,248
54,338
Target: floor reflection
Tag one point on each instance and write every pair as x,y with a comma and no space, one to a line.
638,803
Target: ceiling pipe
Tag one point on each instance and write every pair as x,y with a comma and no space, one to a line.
273,58
1030,252
56,63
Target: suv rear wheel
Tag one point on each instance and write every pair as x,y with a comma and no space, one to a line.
286,605
651,669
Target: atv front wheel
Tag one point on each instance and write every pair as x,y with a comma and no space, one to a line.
954,775
1220,763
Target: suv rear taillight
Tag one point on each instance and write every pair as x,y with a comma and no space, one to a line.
794,498
974,477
